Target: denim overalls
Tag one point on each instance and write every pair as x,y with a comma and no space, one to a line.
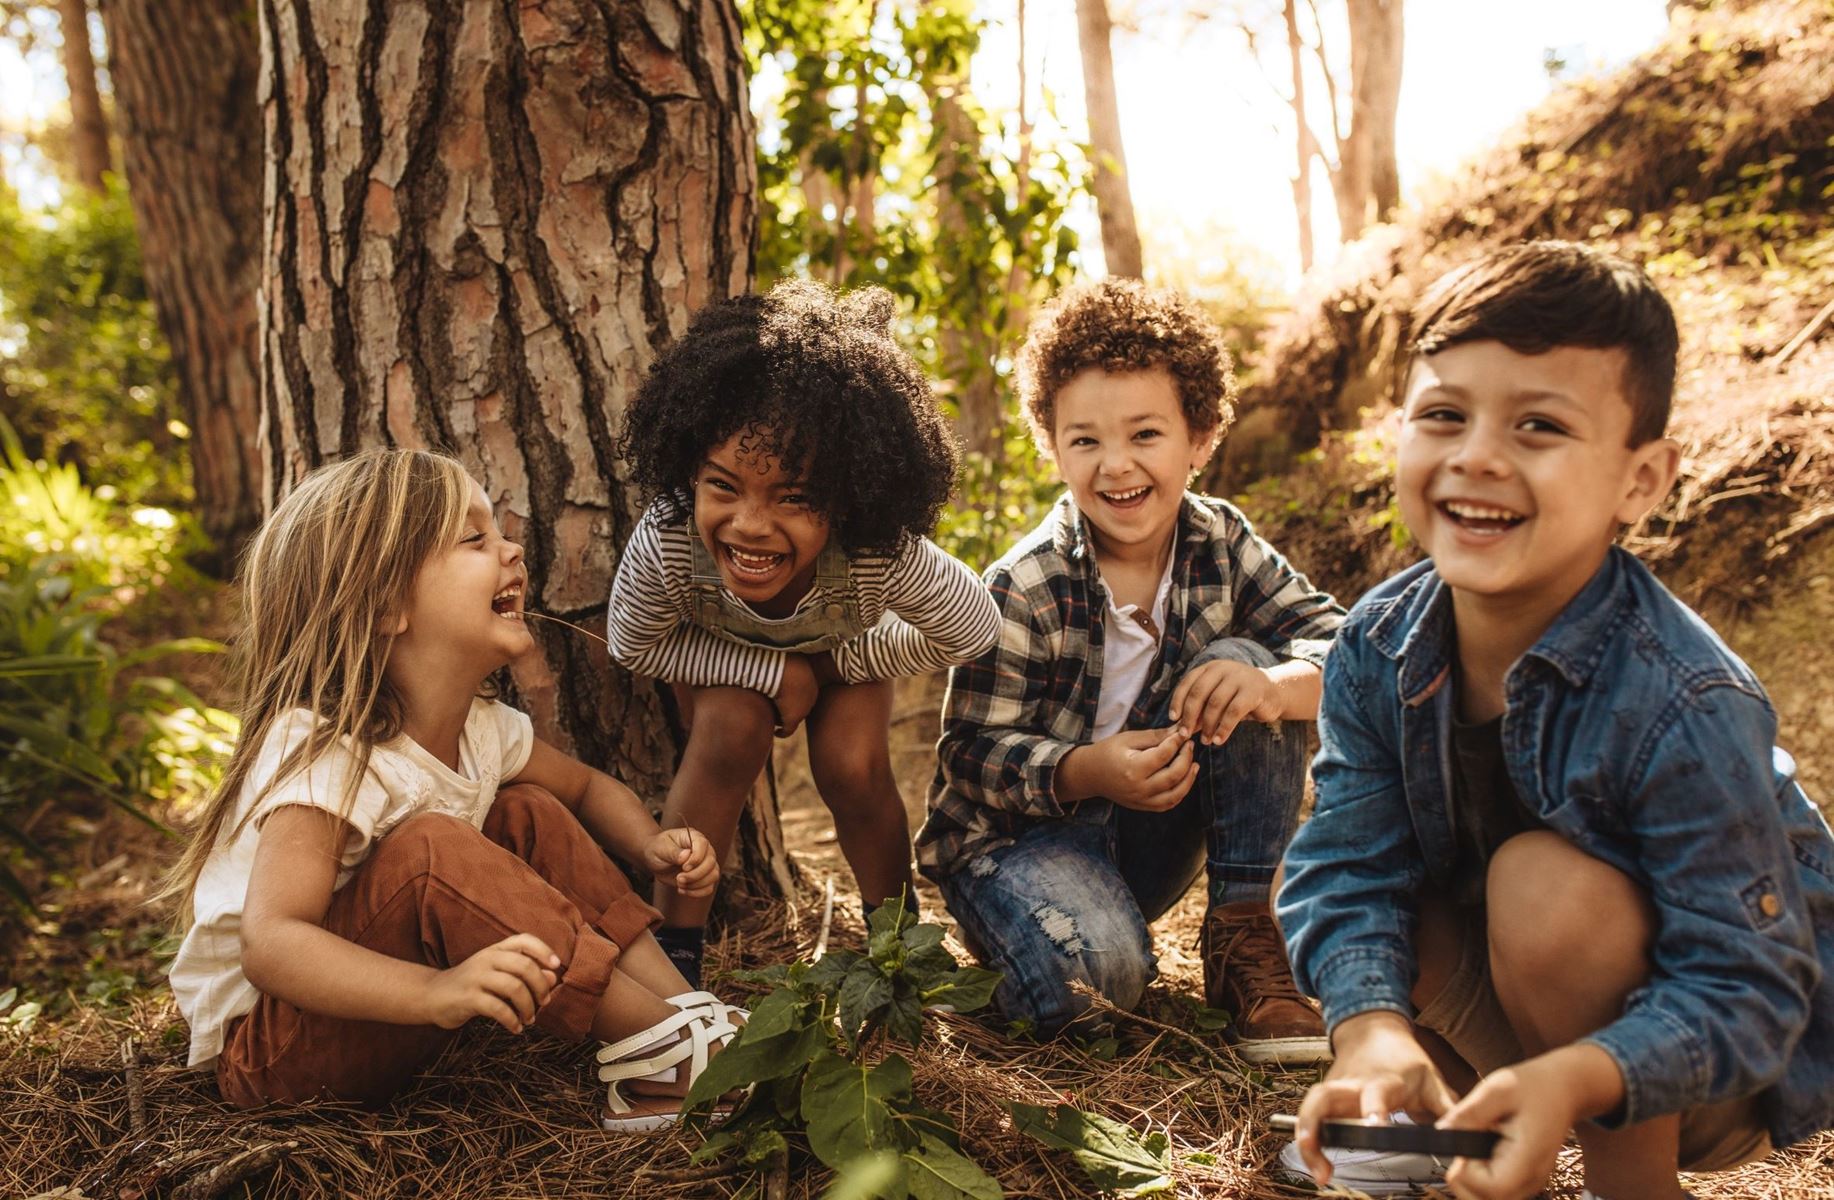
828,616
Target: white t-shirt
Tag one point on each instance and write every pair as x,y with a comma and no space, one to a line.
402,779
1128,654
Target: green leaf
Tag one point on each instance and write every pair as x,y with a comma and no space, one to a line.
904,1017
934,1171
865,993
875,1176
1112,1156
754,1059
846,1106
1210,1020
965,989
826,975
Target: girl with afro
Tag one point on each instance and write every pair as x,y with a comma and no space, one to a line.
794,462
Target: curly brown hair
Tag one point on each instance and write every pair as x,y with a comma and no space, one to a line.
1121,325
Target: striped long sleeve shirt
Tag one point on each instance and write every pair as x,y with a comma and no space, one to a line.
1012,714
922,611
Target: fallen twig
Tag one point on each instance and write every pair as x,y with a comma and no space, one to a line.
233,1170
136,1092
827,920
1803,338
1225,1066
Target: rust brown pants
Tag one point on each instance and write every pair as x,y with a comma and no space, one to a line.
436,891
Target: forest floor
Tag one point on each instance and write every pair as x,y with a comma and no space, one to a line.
505,1116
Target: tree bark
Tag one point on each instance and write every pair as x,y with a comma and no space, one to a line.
482,221
184,74
1375,98
1113,201
88,123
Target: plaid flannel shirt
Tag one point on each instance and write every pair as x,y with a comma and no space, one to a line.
1012,714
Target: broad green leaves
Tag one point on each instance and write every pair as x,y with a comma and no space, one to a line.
848,1106
803,1053
1110,1154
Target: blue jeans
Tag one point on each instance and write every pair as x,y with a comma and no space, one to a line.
1070,901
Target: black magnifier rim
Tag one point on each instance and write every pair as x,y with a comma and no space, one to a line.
1404,1139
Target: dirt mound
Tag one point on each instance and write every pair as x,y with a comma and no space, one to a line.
1710,160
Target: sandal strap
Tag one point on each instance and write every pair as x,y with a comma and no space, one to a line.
643,1040
702,1031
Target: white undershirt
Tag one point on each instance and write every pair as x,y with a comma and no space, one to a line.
1128,654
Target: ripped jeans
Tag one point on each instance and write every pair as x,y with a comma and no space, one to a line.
1070,901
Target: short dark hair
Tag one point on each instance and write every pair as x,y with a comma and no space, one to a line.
1121,325
820,380
1536,296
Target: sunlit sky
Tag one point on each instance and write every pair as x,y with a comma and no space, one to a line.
1207,134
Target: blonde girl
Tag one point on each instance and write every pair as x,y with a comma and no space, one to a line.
393,853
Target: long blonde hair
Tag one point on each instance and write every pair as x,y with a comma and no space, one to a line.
320,587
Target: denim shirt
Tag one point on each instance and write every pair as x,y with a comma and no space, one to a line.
1641,739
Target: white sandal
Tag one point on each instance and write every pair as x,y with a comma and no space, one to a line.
655,1055
709,1005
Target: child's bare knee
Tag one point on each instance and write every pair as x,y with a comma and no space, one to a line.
854,778
738,723
1557,913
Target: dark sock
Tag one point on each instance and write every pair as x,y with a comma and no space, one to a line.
867,908
684,944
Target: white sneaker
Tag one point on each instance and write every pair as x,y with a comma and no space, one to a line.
1375,1172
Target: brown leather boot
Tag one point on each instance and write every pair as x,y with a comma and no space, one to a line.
1247,975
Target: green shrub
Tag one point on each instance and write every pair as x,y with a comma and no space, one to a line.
80,719
84,368
998,501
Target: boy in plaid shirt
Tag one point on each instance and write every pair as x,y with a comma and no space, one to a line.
1141,715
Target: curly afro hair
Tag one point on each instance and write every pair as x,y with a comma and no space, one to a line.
818,379
1121,325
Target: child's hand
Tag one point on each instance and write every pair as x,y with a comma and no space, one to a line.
1533,1105
1214,697
1146,769
1380,1068
796,694
506,982
683,859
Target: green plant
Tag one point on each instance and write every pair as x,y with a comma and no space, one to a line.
83,364
80,719
812,1053
998,500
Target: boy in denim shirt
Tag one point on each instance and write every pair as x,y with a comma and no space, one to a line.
1555,845
1141,716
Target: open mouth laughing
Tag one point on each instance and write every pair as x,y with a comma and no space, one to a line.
508,603
751,565
1131,498
1484,520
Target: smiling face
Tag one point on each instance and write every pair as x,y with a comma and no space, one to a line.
1514,472
757,524
1124,449
468,599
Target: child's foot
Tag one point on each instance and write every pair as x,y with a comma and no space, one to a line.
649,1073
1247,974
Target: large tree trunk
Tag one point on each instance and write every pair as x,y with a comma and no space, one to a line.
88,124
482,221
1113,201
184,74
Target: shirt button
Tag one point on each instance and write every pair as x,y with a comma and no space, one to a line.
834,612
1769,905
